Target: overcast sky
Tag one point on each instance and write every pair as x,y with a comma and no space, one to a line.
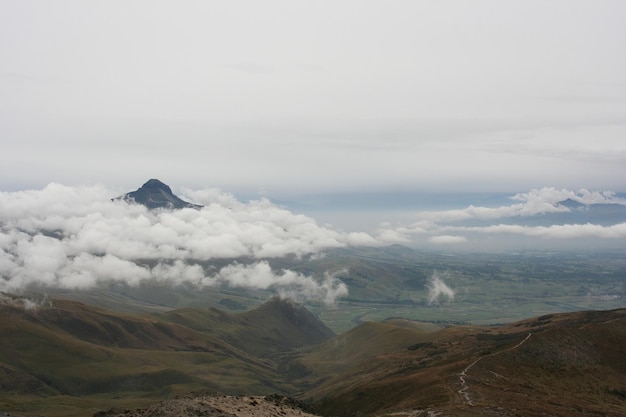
314,96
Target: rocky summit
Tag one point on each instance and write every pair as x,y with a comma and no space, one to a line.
154,194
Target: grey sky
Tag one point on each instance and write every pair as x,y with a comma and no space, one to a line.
278,96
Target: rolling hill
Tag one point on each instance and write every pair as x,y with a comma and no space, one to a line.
570,364
62,357
55,354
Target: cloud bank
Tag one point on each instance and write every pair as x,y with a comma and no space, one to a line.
455,227
77,238
533,203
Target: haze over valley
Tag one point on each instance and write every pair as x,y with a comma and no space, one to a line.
132,250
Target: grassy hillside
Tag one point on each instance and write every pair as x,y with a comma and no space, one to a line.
570,364
276,326
64,358
54,356
394,281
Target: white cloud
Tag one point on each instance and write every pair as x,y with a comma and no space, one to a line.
532,203
23,302
76,237
447,239
438,289
566,231
289,283
393,236
442,227
535,201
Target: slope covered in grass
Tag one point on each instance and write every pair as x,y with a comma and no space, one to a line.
68,349
570,364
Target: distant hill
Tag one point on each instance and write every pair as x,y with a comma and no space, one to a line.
276,326
288,323
154,194
605,214
571,204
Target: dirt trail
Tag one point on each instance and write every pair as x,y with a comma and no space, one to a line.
463,374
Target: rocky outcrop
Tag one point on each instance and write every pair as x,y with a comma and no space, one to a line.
215,405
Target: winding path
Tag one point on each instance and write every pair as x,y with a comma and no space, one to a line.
463,374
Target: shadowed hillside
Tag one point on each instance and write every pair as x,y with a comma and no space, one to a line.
278,325
63,350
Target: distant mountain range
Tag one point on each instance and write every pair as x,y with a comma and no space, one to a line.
565,365
60,357
604,214
154,194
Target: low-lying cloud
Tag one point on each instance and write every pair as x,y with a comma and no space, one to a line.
77,238
23,302
566,231
447,239
533,203
458,226
438,289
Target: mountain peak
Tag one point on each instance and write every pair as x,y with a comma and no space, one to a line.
155,194
570,204
292,323
153,183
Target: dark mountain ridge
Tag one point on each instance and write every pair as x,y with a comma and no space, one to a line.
570,204
154,194
574,212
289,321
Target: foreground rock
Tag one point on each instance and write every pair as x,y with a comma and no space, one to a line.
215,405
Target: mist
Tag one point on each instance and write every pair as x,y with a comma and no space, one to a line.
438,290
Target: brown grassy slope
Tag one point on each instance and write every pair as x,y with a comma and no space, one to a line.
276,326
353,349
64,349
573,364
288,324
61,342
